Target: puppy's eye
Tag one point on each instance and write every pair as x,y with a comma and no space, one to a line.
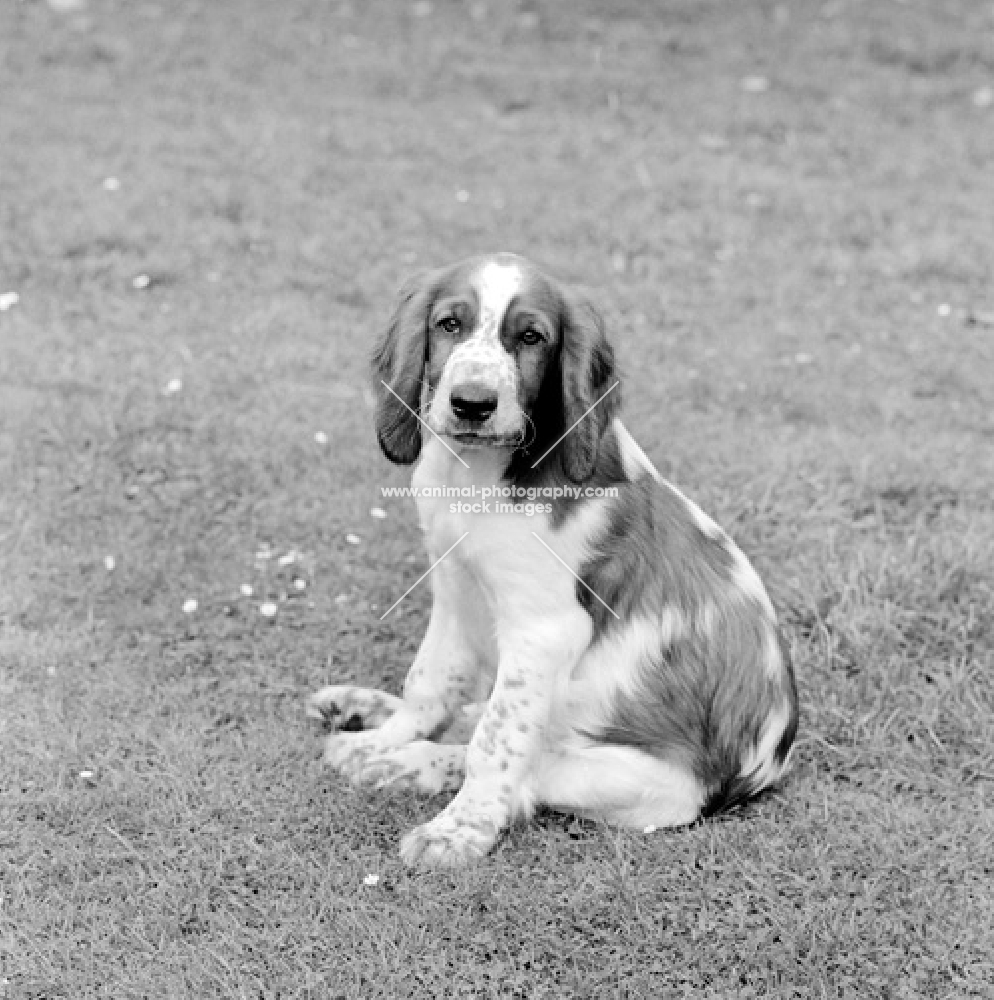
530,337
450,324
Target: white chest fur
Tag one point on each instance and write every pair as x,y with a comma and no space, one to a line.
506,542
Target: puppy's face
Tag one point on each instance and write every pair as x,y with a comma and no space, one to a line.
492,333
492,353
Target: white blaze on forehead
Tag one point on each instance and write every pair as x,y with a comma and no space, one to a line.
496,285
482,357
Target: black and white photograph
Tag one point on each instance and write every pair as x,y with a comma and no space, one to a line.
496,499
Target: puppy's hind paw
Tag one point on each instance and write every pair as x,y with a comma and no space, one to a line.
348,753
421,766
344,708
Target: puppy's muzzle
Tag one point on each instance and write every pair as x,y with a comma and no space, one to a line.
473,402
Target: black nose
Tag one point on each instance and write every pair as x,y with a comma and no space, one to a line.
473,401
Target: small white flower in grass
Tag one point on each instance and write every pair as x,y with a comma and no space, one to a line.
300,584
371,879
754,84
353,539
189,606
264,553
141,281
651,828
112,184
288,560
377,512
173,386
944,309
342,599
8,300
321,438
109,563
246,589
86,775
268,609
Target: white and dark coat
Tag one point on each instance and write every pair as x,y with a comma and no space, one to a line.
610,652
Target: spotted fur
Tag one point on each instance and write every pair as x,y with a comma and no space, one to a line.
613,654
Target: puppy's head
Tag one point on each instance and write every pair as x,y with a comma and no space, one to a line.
492,353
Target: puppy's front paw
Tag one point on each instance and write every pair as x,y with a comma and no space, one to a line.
449,843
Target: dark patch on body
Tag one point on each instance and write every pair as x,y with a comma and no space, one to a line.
609,471
705,695
704,701
652,555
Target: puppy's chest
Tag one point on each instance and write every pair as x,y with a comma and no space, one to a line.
465,508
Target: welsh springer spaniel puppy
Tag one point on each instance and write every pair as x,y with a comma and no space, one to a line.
597,644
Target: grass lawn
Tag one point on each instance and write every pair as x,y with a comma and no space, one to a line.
786,211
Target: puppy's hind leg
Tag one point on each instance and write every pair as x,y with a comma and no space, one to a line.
622,785
426,767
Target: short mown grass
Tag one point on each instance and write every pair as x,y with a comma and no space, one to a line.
785,211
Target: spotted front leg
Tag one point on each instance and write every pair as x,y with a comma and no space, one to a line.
506,742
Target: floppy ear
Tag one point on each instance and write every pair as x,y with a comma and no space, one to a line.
586,361
398,369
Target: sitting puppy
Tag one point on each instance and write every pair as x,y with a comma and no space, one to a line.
604,649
